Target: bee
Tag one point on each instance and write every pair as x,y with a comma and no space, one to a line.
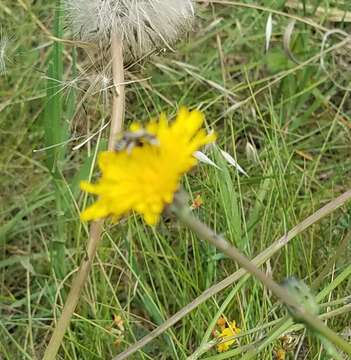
130,140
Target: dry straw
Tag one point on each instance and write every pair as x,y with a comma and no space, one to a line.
4,43
130,29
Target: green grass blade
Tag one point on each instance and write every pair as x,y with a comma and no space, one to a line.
56,136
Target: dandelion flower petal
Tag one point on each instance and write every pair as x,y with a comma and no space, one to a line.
145,178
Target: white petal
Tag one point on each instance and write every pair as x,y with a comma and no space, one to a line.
269,28
205,159
233,162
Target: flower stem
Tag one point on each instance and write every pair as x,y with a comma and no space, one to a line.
205,233
118,105
97,226
260,259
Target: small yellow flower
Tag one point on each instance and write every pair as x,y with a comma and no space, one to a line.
118,321
227,332
145,178
222,323
197,203
280,354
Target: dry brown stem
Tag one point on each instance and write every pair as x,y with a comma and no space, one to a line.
96,228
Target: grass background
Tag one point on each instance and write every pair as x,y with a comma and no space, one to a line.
287,125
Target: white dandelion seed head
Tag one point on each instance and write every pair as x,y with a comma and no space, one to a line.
144,25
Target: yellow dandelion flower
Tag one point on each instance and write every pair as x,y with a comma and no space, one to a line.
227,332
144,178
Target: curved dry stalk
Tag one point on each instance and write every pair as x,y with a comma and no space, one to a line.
96,228
304,20
258,261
